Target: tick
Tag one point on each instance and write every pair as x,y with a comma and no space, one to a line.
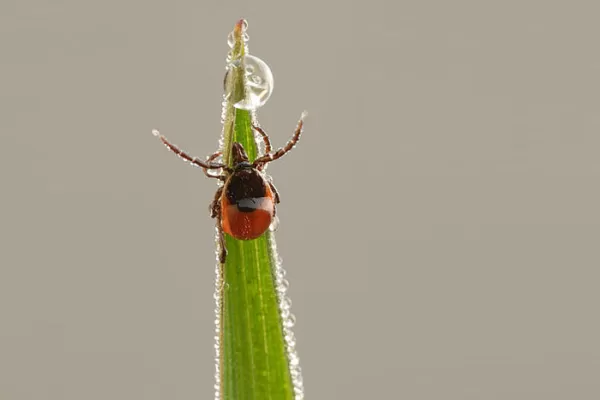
245,205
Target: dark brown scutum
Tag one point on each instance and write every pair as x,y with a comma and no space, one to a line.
245,184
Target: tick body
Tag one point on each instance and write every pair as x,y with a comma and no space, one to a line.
245,205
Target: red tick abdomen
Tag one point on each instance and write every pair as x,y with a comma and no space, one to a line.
247,225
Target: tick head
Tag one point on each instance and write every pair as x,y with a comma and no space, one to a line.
238,154
242,165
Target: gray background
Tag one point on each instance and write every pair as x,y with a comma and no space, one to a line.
439,221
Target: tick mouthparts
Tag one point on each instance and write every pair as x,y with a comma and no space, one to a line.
155,132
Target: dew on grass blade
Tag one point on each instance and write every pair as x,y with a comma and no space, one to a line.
245,37
259,82
241,100
288,320
274,224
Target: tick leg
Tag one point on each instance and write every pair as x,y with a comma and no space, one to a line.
193,160
275,192
215,155
265,138
215,212
215,205
276,197
223,248
209,160
267,158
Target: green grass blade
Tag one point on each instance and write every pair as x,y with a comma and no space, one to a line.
255,346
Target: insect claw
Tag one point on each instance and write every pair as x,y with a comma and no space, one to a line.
223,255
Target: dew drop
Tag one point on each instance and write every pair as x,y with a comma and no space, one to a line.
274,224
231,36
230,39
286,303
291,321
259,83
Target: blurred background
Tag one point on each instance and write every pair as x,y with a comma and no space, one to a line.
439,217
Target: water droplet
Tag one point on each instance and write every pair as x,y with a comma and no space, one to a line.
231,36
259,83
294,361
231,39
290,321
286,302
274,224
291,341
